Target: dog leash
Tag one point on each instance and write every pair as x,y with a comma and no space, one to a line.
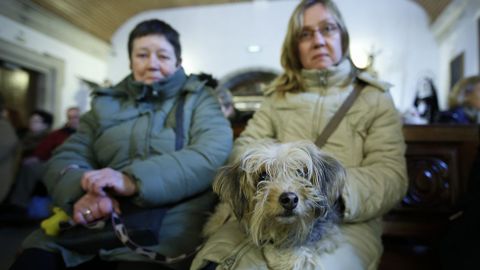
122,234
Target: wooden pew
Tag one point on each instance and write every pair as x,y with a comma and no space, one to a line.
439,159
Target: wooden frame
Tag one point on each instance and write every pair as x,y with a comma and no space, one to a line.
456,69
49,96
478,42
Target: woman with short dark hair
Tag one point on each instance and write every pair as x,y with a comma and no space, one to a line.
155,140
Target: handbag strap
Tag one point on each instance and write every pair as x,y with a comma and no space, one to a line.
337,117
190,85
179,132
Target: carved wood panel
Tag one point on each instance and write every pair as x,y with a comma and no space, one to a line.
429,183
439,158
433,177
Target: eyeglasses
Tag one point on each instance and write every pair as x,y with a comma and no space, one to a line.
327,30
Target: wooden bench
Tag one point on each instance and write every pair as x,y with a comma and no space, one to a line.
439,159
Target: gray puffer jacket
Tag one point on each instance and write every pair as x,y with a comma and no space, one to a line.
131,128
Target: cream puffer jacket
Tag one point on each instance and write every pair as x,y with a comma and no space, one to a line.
368,142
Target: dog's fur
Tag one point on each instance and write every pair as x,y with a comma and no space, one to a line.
287,197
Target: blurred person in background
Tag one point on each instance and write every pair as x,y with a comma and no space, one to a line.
464,103
28,181
8,152
39,126
224,95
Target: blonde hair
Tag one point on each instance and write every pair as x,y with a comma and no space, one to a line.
291,79
460,91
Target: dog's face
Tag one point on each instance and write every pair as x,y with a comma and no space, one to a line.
283,193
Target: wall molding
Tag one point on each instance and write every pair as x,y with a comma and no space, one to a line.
51,67
447,21
33,16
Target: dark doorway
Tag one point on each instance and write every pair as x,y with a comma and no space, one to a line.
22,88
43,73
456,69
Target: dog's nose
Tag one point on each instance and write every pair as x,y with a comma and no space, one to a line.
288,200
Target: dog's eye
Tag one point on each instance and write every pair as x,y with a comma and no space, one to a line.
302,173
263,177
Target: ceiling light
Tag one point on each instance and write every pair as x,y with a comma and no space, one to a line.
254,48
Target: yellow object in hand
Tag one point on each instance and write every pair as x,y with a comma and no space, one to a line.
51,225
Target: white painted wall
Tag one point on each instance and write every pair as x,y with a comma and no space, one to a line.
456,32
215,38
77,64
399,31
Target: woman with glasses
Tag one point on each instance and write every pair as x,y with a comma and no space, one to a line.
318,77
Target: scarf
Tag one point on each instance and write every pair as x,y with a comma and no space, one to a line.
161,90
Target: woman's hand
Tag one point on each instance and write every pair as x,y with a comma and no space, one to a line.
91,207
99,181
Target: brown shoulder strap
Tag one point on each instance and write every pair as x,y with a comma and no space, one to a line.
337,117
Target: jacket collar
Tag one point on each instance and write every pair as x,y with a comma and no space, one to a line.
338,75
163,89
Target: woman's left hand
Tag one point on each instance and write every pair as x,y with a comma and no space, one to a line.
99,181
92,207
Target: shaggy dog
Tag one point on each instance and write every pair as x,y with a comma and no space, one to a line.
287,196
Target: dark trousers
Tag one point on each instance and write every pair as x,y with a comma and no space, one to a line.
34,258
29,176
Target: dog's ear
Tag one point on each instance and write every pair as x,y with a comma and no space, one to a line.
330,173
227,185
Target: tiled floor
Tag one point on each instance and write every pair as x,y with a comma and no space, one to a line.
11,237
